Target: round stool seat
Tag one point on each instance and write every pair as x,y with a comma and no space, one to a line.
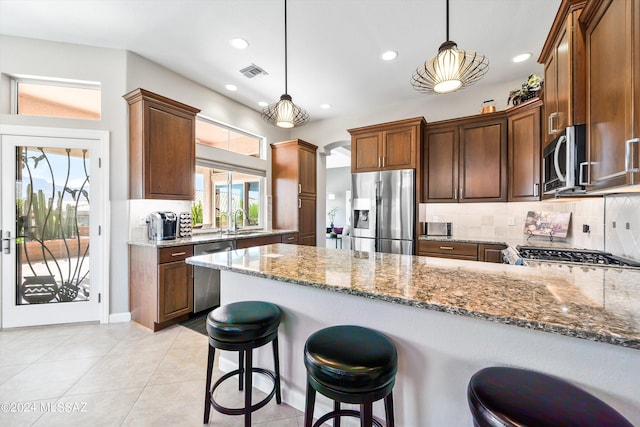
351,359
243,321
500,396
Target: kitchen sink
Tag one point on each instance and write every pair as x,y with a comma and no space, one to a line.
245,232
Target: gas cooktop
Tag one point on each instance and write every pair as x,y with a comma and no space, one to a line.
574,255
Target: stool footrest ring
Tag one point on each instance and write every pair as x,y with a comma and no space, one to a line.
252,408
342,413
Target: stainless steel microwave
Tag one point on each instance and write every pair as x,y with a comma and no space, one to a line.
563,161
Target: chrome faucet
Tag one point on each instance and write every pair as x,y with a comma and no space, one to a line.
235,219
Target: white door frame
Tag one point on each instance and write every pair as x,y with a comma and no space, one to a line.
101,150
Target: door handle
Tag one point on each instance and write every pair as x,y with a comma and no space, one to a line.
8,239
628,158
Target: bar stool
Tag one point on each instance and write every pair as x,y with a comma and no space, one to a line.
512,397
243,326
350,364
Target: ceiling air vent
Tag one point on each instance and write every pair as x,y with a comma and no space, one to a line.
252,70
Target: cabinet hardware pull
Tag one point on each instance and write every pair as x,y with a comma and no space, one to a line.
628,158
383,162
299,204
551,129
455,194
448,248
536,190
179,253
299,188
290,238
378,162
581,180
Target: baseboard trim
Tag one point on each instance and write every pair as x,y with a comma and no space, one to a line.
119,317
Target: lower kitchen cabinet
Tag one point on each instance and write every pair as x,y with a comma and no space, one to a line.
470,251
258,241
290,238
160,285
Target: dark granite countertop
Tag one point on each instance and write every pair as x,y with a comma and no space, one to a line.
588,302
207,238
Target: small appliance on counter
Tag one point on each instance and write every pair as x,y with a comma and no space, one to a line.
162,225
439,229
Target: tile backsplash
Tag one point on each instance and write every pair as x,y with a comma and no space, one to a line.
504,222
613,220
141,208
622,225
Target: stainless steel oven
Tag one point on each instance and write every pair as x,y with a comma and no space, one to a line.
564,161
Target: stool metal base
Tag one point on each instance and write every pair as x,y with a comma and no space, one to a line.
335,415
241,411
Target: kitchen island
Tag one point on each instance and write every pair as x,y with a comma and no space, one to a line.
448,318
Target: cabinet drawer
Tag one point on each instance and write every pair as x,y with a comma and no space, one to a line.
454,249
174,253
257,241
291,238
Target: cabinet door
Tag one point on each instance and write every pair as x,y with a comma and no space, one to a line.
524,156
398,148
307,221
610,74
490,253
550,97
440,165
175,290
483,162
563,78
306,172
365,155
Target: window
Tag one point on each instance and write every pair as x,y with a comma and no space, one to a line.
225,138
227,196
56,98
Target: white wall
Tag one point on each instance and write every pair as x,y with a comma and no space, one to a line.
51,59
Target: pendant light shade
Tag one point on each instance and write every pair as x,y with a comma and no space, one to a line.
285,113
451,69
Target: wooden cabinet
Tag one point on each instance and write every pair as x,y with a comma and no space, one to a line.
161,147
447,249
465,160
564,71
524,151
257,241
293,179
160,285
470,251
613,92
386,146
490,252
290,238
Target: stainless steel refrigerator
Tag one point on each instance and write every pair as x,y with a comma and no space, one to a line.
383,211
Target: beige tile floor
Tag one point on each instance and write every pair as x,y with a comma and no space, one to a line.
114,375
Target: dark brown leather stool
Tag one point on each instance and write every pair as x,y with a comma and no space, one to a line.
512,397
350,364
243,326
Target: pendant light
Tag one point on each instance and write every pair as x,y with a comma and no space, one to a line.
285,113
451,69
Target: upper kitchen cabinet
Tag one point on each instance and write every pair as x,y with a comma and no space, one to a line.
465,160
293,176
613,92
386,146
563,56
524,149
161,147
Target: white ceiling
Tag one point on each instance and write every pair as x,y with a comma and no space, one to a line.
334,45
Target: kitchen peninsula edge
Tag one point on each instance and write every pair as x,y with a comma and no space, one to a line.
433,310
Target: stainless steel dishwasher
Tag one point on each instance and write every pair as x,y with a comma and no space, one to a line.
206,281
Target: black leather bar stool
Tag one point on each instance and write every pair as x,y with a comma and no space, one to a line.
350,364
243,326
512,397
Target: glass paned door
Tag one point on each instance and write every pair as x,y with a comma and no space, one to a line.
52,225
49,230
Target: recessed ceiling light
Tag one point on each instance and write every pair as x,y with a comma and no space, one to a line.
521,58
389,55
231,87
239,43
325,106
263,103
